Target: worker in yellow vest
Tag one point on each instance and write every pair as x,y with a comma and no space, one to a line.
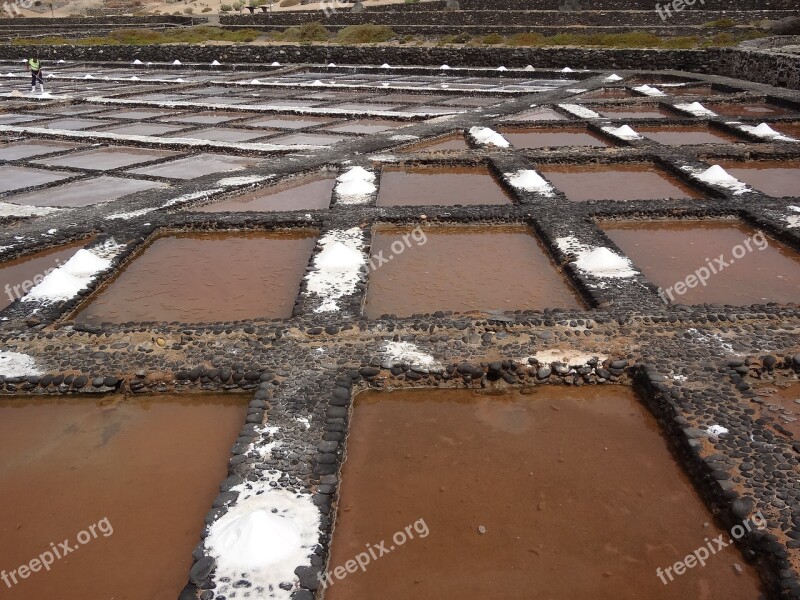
35,67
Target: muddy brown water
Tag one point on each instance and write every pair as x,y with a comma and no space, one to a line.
113,157
365,126
790,129
560,494
445,186
19,150
629,113
305,193
86,192
14,273
151,466
464,269
757,109
289,122
450,142
606,94
17,178
616,182
537,114
774,177
782,404
668,251
203,277
196,166
310,139
545,138
680,135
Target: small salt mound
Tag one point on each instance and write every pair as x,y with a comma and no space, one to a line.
530,181
696,109
138,62
624,132
501,68
765,131
445,67
276,64
602,262
336,267
566,70
613,77
255,82
488,137
385,66
716,175
355,185
176,62
70,278
87,76
331,64
529,68
317,82
215,63
649,90
716,430
263,538
134,78
257,538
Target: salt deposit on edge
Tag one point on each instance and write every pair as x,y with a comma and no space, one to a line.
16,364
716,175
409,353
488,137
625,132
73,276
649,90
580,111
263,539
16,210
336,267
613,77
355,186
764,131
598,261
696,109
529,180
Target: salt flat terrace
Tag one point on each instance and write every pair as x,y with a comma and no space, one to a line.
294,234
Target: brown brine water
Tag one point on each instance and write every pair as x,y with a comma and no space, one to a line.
559,494
668,252
773,177
204,277
149,465
581,183
304,193
464,269
679,135
543,138
446,186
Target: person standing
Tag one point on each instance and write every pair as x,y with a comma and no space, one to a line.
35,67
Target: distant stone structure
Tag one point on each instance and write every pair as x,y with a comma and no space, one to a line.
569,5
453,5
